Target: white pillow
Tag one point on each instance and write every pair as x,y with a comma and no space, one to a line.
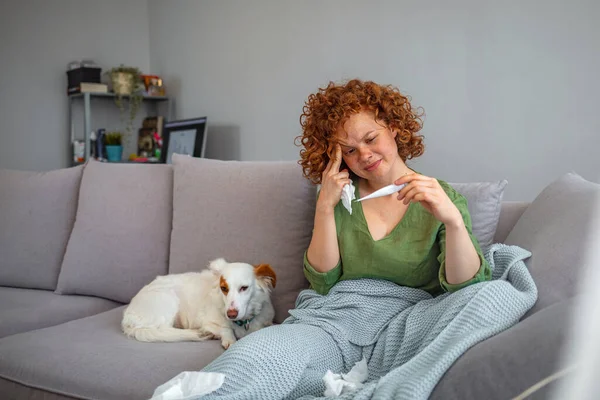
484,201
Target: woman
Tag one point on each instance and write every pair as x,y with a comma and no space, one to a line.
420,237
359,133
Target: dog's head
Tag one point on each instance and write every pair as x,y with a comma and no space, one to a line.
243,286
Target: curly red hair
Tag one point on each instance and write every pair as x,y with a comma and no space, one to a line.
325,111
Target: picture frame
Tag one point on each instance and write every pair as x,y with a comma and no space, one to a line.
187,136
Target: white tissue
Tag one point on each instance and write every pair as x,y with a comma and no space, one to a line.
348,196
338,384
188,385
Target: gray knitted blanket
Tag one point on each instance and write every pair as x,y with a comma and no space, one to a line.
408,338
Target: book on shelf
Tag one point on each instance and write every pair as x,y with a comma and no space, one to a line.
88,87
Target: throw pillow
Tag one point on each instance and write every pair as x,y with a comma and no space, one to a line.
254,212
484,201
37,213
120,240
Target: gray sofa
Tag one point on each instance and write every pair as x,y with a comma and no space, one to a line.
78,243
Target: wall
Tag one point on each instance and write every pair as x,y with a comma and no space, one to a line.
509,88
39,39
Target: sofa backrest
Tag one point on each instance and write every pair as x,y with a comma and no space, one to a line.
111,236
253,212
37,212
106,230
120,240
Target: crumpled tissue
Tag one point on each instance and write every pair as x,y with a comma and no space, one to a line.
188,385
338,384
347,196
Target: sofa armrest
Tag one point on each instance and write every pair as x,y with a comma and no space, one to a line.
510,213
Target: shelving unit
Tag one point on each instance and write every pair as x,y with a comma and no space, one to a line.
87,115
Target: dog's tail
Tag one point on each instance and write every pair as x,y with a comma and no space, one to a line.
164,334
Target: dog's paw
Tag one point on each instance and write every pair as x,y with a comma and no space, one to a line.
226,343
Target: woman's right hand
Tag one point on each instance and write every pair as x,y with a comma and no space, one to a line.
332,182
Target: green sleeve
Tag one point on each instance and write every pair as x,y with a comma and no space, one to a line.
484,273
322,282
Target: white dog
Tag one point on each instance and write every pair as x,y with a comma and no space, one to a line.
226,301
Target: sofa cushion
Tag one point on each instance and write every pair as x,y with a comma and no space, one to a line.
14,390
28,309
484,201
555,228
120,240
92,359
254,212
36,216
507,364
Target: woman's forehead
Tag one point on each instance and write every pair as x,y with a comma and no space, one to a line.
356,127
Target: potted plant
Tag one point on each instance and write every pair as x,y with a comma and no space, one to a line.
125,80
127,83
114,146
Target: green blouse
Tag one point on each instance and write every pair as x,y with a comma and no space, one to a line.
413,254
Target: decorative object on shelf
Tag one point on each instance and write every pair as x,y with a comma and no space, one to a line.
93,145
127,83
150,137
161,105
78,151
125,80
186,136
145,142
100,152
154,85
113,146
80,73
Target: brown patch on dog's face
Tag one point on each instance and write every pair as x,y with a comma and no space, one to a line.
265,273
224,286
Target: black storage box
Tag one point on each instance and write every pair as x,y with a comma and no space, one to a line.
83,74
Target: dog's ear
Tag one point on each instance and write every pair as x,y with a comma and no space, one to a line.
265,275
217,265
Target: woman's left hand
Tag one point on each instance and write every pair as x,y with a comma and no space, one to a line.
431,195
